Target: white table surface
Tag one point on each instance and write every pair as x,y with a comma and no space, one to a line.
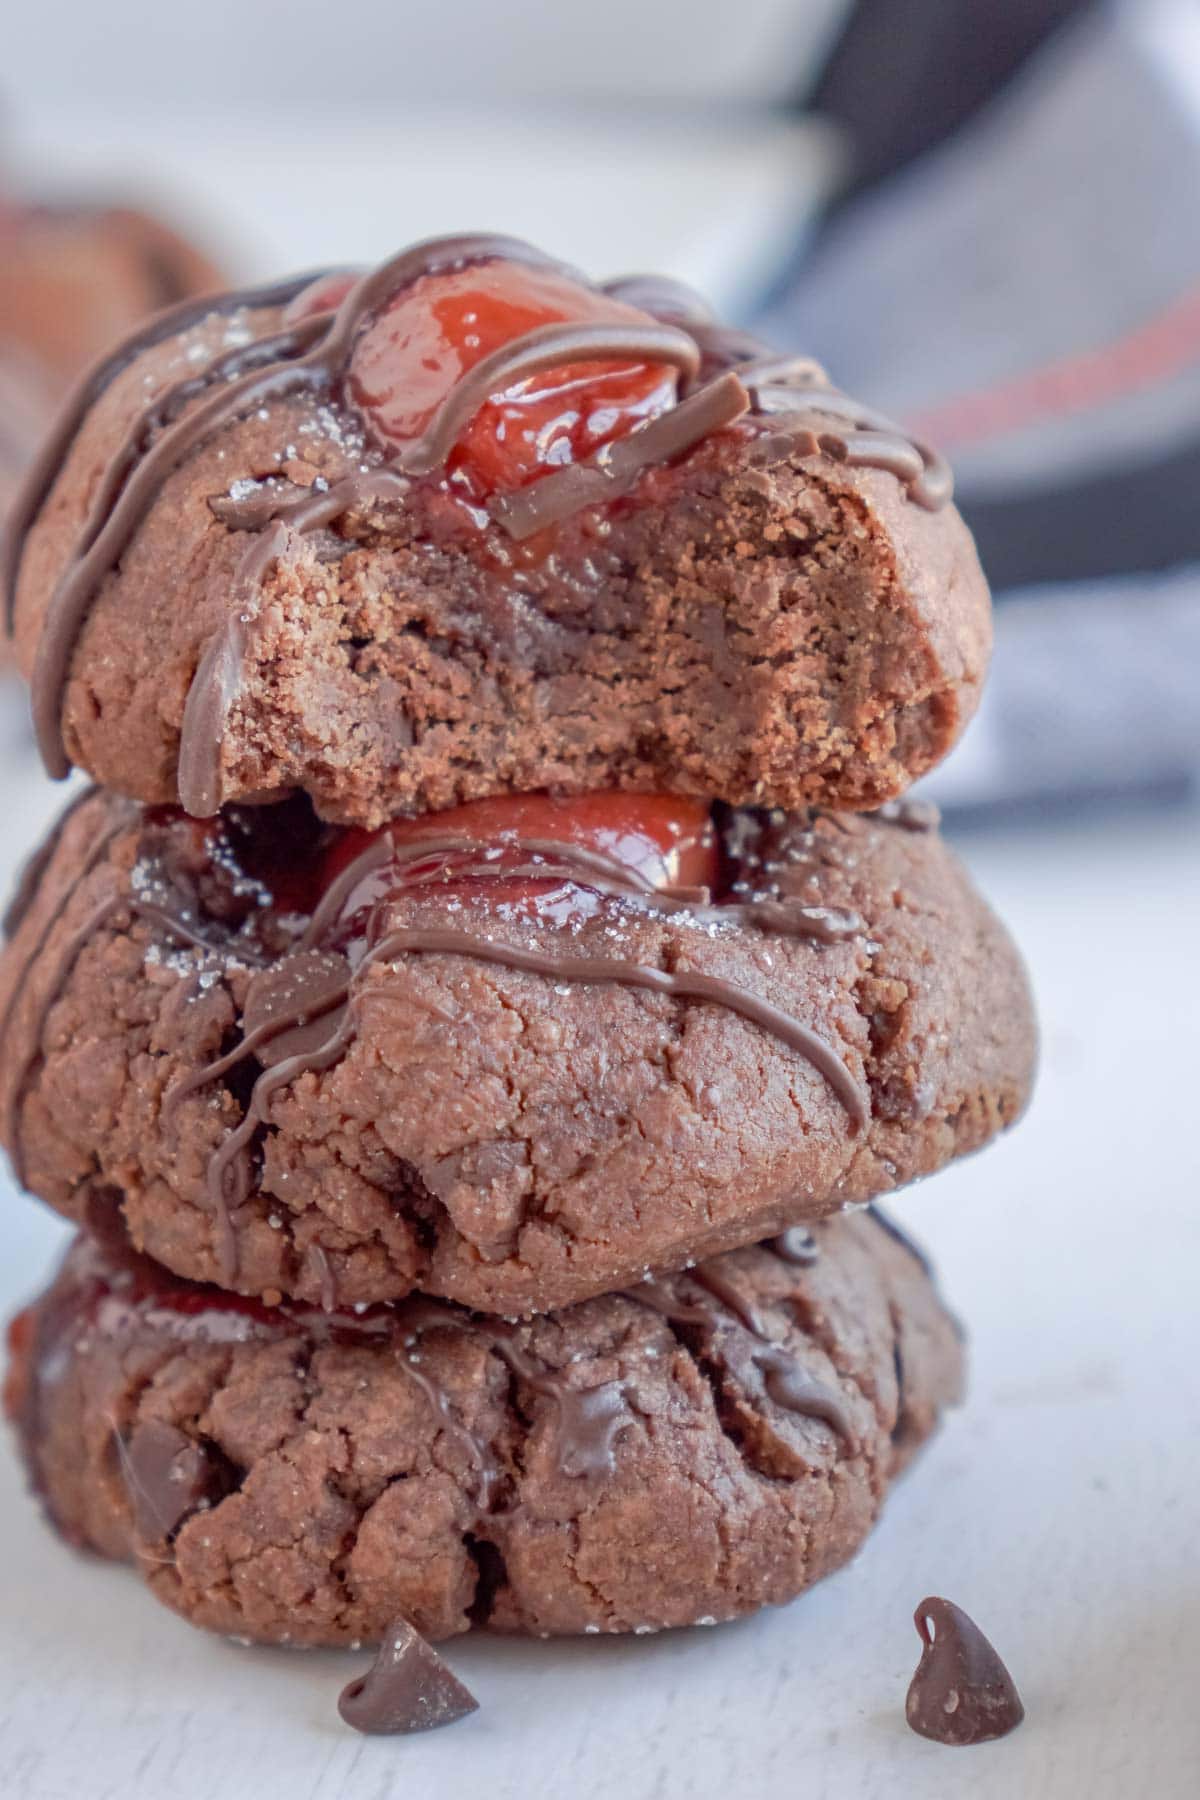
1058,1506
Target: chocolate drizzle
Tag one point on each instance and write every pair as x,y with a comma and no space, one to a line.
587,1421
314,992
723,375
663,298
729,1295
613,470
116,903
46,468
300,1011
229,1169
106,1291
218,678
680,985
546,347
852,433
332,1001
788,1385
785,1382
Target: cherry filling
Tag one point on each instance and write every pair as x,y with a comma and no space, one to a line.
205,1312
417,349
105,1285
489,851
242,861
19,1341
252,866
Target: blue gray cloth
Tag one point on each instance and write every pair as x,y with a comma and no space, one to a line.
1029,293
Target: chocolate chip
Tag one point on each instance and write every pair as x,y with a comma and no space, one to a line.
796,1246
298,1001
961,1693
589,1422
169,1475
407,1688
790,1386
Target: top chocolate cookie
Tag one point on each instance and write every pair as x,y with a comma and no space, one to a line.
468,524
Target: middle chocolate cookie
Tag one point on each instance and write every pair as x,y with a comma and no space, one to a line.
515,1055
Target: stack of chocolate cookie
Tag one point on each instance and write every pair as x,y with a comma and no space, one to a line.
497,970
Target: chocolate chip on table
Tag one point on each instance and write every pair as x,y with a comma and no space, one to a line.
961,1693
408,1688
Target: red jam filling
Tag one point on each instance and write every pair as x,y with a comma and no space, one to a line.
19,1339
231,865
419,347
107,1269
664,840
255,863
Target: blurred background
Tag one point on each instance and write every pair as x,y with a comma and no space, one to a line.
982,216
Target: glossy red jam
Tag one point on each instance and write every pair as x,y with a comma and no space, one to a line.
664,840
246,857
421,345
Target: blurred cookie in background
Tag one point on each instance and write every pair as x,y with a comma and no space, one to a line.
75,278
27,403
26,408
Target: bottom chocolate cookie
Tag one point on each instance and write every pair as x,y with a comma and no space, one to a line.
676,1454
